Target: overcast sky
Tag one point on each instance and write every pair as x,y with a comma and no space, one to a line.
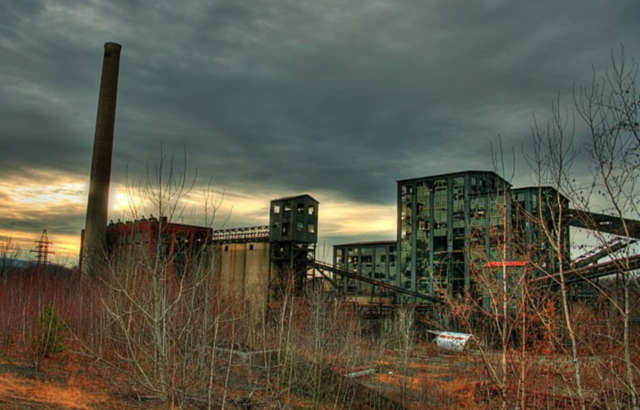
335,98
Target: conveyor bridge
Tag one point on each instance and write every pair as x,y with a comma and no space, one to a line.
325,268
595,271
251,234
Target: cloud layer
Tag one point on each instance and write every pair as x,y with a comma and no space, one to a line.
270,98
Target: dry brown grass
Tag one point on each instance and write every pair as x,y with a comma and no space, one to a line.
19,390
432,379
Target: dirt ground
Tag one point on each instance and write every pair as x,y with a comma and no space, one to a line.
67,381
71,381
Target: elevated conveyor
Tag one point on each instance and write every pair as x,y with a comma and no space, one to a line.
596,271
604,223
602,251
324,268
241,235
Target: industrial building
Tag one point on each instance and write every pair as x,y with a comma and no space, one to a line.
376,260
154,238
448,227
452,224
252,263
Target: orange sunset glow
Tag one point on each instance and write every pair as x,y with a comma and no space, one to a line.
60,208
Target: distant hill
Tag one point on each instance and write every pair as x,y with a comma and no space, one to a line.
17,263
21,265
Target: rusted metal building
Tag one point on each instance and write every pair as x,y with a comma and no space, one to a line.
293,235
376,260
253,263
449,223
442,221
153,239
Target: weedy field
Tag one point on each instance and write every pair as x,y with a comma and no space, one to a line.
69,342
64,344
69,380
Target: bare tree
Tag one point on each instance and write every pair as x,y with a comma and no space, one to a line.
403,333
164,318
500,307
610,108
9,251
552,159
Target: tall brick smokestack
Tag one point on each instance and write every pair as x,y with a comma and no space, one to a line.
95,239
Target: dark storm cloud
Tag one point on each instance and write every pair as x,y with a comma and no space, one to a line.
293,96
59,222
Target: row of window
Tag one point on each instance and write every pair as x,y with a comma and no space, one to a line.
286,228
286,209
226,247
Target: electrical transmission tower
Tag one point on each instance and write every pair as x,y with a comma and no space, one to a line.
42,249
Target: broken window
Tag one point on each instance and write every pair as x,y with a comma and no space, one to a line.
440,243
311,210
276,209
285,229
366,258
287,209
423,225
482,186
311,228
299,226
339,258
300,208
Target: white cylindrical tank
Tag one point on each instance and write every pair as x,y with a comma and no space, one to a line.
454,341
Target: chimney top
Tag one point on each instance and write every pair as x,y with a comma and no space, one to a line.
112,46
